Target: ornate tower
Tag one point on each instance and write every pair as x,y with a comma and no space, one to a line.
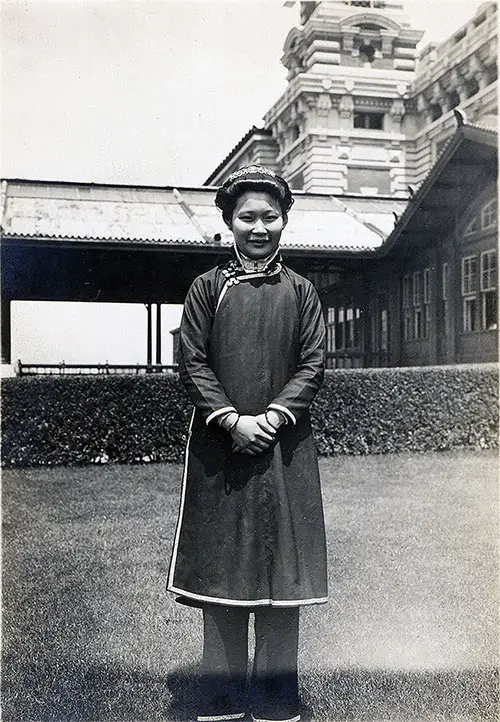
344,121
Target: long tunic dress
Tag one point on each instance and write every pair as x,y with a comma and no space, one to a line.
250,529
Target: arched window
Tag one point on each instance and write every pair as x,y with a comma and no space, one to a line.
489,214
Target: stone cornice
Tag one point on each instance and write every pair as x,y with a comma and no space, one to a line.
360,84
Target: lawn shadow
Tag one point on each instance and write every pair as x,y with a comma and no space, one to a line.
103,693
70,690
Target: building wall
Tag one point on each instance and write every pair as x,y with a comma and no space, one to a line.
438,305
449,293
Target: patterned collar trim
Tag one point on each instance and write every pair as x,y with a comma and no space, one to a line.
238,267
251,266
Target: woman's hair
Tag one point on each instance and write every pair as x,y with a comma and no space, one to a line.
252,178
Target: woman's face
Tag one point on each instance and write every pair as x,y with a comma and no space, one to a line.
257,224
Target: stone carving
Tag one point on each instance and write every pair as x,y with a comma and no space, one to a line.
398,110
346,106
323,105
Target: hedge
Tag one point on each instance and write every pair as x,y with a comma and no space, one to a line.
138,419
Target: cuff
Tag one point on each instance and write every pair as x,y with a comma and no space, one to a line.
220,412
283,410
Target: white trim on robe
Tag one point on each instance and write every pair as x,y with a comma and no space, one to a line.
247,602
220,717
284,410
220,412
181,510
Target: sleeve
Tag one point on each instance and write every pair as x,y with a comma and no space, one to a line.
297,395
201,383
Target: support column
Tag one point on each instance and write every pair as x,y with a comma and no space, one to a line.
149,342
158,333
6,330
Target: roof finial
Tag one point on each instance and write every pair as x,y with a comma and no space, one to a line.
460,117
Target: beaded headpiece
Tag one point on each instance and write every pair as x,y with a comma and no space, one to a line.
252,177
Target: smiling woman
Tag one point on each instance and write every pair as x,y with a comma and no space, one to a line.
250,535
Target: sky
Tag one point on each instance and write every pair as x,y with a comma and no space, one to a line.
155,92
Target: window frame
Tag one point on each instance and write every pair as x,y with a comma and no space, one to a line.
470,313
471,288
491,253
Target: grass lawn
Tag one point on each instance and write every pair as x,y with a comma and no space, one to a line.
410,632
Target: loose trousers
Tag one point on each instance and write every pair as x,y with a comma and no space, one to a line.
273,691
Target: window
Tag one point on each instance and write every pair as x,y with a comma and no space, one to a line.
407,327
416,288
489,298
445,280
427,303
417,323
417,305
330,330
469,275
427,285
343,334
379,325
489,215
369,121
470,314
488,271
479,291
469,289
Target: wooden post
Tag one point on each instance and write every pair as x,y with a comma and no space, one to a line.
158,333
149,342
6,330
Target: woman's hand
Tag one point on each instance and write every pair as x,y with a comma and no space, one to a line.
252,435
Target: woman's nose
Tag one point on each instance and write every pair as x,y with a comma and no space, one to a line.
259,227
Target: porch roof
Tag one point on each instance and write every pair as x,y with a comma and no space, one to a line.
73,213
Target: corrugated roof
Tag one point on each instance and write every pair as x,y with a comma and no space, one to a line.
185,216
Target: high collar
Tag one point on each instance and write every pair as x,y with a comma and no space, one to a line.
251,266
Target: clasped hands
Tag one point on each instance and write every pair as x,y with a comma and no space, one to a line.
253,434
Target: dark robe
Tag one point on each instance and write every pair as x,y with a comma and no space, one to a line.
251,528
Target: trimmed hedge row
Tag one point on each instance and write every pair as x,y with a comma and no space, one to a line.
138,419
379,411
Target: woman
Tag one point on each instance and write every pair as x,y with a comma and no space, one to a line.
250,535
